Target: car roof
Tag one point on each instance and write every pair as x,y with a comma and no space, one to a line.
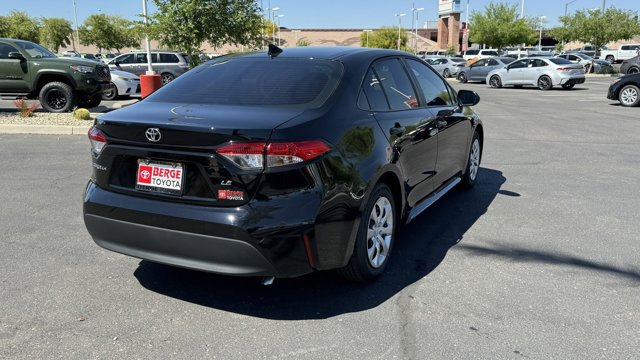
330,52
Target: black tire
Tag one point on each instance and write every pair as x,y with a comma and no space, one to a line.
167,78
462,77
110,95
371,255
57,97
629,95
495,82
633,70
446,73
568,86
610,59
544,83
473,163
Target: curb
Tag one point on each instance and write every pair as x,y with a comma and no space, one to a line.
44,129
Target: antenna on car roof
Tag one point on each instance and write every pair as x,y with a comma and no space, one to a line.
274,51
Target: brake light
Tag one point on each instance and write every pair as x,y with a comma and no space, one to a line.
97,139
259,155
564,69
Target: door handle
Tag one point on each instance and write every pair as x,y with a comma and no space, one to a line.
441,124
397,130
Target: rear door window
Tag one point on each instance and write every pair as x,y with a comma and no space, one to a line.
169,58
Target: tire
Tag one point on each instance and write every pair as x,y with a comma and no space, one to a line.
610,59
544,83
568,86
495,82
167,78
462,77
374,241
110,95
446,73
473,163
633,70
629,95
57,97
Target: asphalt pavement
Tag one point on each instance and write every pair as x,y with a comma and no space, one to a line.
540,260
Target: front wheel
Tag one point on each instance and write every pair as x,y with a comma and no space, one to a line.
495,82
57,97
633,70
544,83
462,77
629,95
446,73
473,164
568,86
111,94
375,237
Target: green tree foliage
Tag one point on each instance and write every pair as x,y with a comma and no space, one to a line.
4,27
109,32
55,33
498,26
184,25
19,25
385,38
597,28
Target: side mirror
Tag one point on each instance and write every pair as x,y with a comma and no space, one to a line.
468,98
16,56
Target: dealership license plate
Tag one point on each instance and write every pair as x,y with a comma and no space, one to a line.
160,177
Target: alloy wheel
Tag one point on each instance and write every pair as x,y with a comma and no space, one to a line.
629,96
379,232
56,99
474,159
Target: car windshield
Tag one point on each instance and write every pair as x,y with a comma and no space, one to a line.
34,50
247,81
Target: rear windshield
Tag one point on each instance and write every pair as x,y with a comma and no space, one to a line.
458,60
560,61
255,81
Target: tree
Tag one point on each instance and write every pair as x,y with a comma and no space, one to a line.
4,27
384,38
597,28
499,26
19,25
184,25
55,33
109,32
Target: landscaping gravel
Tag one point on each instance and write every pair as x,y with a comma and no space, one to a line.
44,118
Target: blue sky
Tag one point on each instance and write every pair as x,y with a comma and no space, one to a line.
305,14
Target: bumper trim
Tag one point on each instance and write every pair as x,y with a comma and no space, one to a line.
179,248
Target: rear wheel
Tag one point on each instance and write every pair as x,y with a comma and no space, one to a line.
633,70
629,96
375,238
446,73
610,59
544,83
57,97
462,77
568,86
473,164
495,82
167,78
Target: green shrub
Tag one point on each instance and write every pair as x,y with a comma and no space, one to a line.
82,114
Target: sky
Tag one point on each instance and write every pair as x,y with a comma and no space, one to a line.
323,14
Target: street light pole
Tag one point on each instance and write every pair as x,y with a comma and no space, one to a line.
273,23
522,9
279,37
146,38
566,5
415,12
604,5
399,24
75,15
367,31
541,18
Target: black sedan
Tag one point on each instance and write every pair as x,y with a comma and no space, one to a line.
626,89
281,163
630,66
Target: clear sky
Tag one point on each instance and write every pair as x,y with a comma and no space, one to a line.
306,14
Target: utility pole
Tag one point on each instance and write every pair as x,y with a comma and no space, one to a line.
75,15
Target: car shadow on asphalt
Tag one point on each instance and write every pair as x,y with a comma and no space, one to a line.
420,248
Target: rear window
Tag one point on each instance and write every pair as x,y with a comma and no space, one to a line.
472,52
458,60
559,61
169,58
490,53
254,81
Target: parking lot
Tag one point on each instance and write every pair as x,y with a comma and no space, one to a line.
540,260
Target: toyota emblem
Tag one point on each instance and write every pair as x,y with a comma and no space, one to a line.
153,134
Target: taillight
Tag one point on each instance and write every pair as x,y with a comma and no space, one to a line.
258,155
564,69
97,139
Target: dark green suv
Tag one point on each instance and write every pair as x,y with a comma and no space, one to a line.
28,70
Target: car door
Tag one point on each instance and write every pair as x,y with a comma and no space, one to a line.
448,123
535,68
407,124
126,62
490,65
14,73
475,70
513,73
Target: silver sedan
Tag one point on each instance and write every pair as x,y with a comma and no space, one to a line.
541,72
478,70
446,66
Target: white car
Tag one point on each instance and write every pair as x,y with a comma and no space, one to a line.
541,72
126,84
480,54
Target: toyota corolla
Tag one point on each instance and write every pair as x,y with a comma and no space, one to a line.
281,163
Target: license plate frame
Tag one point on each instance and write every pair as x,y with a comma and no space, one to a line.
167,185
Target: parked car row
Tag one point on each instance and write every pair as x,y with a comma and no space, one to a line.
169,64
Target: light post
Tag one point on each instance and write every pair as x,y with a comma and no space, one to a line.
542,19
604,5
522,9
399,24
415,12
75,15
296,32
279,16
367,31
273,22
566,6
149,81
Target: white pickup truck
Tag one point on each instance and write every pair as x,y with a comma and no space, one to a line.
624,52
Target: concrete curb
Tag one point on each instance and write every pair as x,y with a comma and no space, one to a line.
44,129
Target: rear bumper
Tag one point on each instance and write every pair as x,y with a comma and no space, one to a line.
572,80
244,241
